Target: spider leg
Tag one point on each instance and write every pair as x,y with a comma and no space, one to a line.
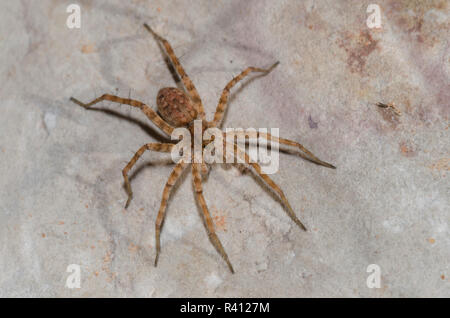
207,216
184,77
267,180
221,107
291,145
150,113
173,178
152,146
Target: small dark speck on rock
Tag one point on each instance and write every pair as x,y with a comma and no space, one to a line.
312,124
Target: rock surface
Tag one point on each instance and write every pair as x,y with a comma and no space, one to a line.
387,203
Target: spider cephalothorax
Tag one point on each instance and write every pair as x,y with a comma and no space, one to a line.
183,109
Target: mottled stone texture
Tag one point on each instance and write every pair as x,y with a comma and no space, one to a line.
62,195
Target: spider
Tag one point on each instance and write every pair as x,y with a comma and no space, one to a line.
179,108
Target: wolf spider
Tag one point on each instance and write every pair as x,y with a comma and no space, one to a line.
178,108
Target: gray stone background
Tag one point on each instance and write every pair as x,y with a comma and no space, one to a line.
62,195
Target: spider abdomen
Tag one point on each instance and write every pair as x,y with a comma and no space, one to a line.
175,106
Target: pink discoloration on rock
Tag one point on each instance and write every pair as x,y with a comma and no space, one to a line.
407,149
358,48
411,18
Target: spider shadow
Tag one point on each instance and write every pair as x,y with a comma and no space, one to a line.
144,126
148,165
106,67
119,240
293,152
245,171
173,193
239,90
176,78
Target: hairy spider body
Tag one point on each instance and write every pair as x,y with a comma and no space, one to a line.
180,109
175,107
